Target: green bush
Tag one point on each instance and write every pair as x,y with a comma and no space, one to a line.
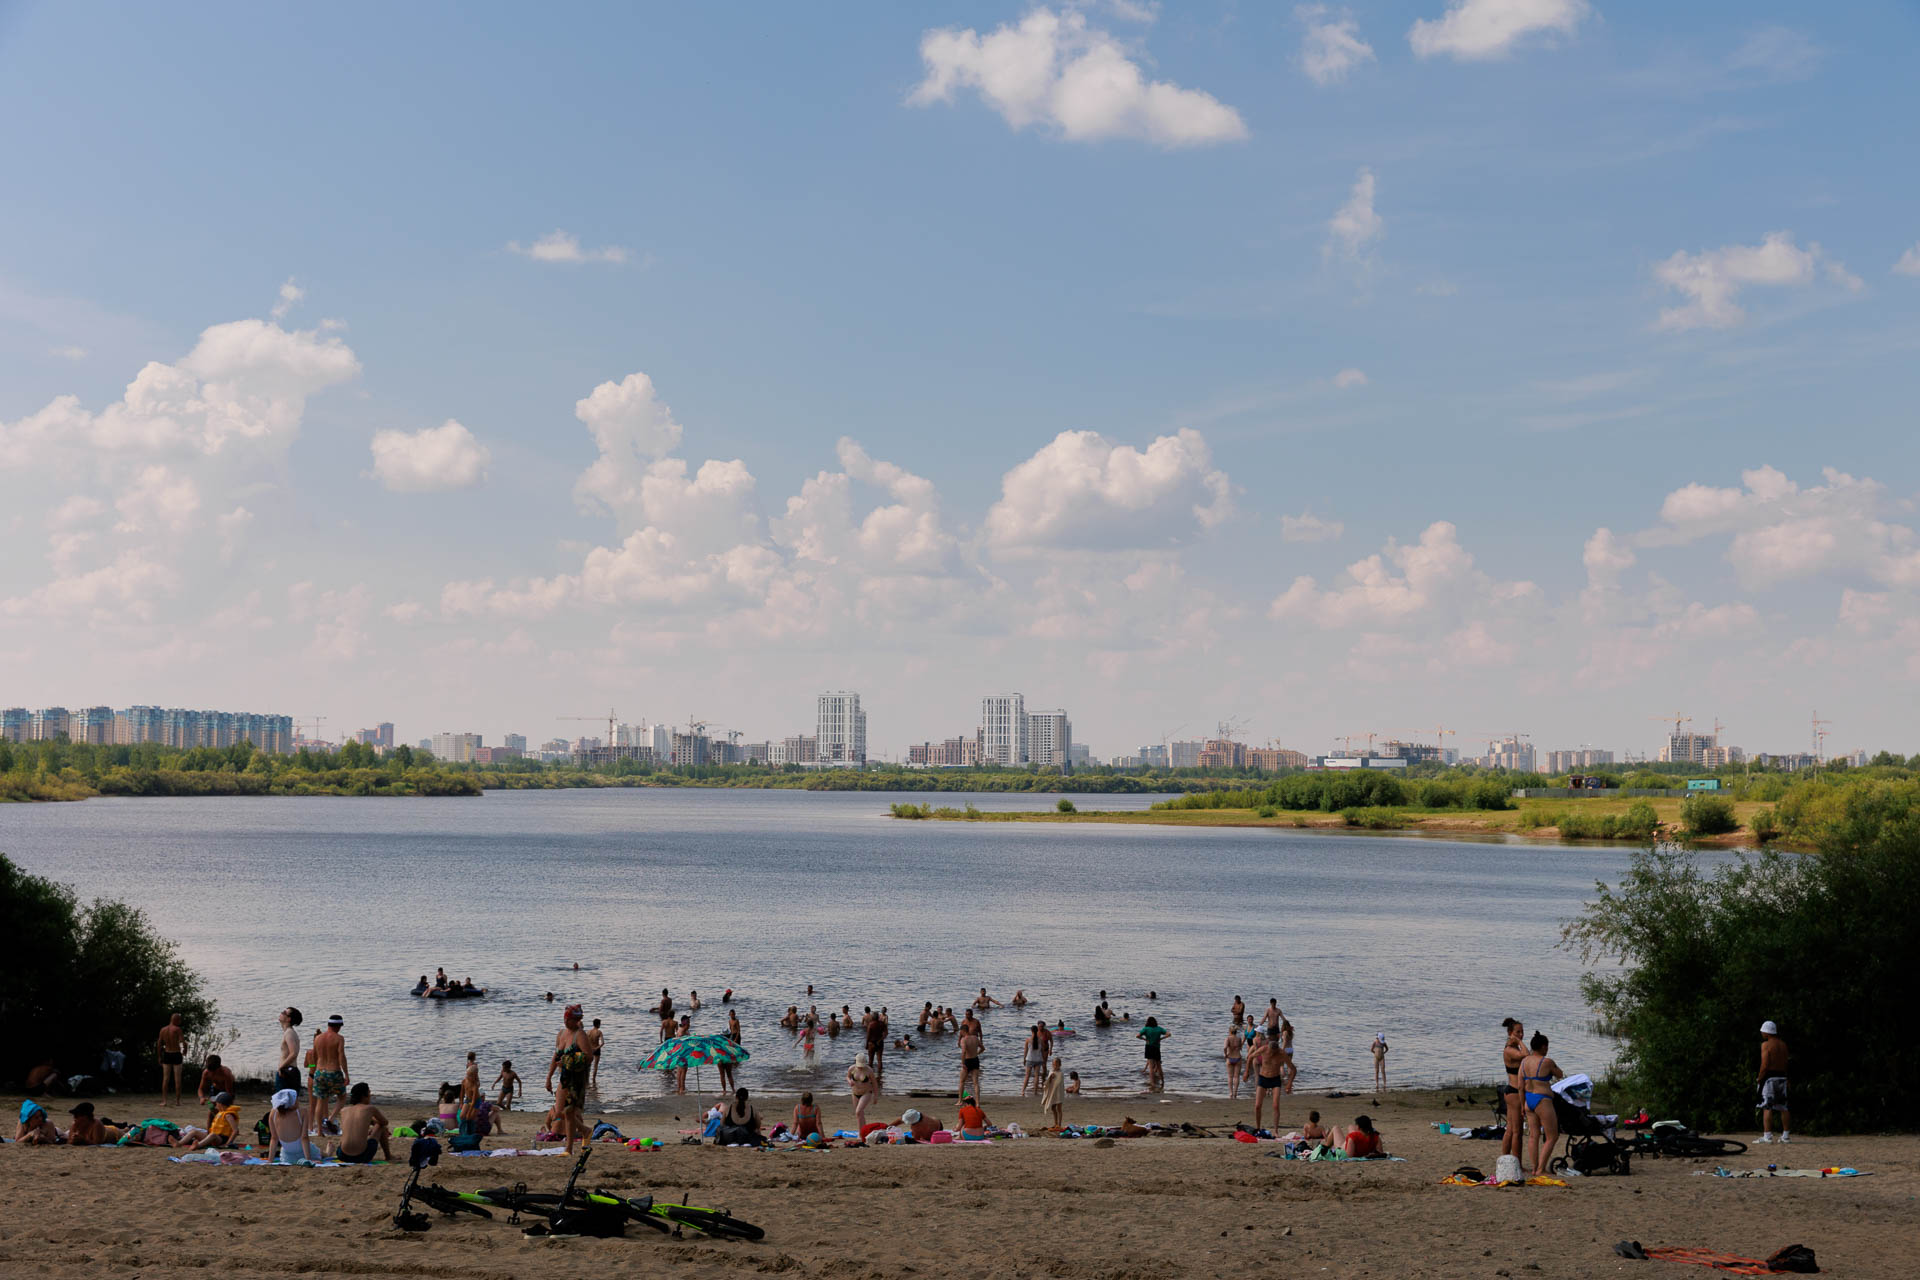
1268,811
1814,943
1764,825
1065,806
83,979
912,811
1706,815
1374,818
1639,822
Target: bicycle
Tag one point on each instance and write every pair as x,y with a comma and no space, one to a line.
1676,1141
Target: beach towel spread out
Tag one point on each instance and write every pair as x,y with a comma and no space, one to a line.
1708,1258
230,1159
1832,1171
514,1151
1456,1180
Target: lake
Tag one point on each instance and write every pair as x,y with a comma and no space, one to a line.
338,904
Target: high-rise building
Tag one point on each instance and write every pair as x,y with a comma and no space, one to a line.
1079,755
1223,753
515,742
1688,748
1184,755
1003,729
1571,761
458,748
380,737
1510,753
840,728
1049,739
16,724
1273,759
690,749
92,724
50,723
802,749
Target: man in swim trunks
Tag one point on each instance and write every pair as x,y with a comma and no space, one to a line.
363,1130
330,1077
1773,1083
171,1047
971,1045
287,1076
1270,1077
876,1042
596,1041
573,1061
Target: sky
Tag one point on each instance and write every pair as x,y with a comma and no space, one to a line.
1536,366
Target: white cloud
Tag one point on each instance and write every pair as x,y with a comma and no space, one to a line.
1055,72
233,528
1909,262
431,460
335,621
407,612
564,246
1475,30
1308,527
1780,532
1712,280
1776,54
633,428
1378,596
158,500
127,588
290,296
1355,225
73,353
1332,46
1083,491
533,598
1347,379
905,535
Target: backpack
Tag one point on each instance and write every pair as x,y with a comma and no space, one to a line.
598,1220
1795,1257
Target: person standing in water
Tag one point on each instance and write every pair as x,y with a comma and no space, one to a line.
1153,1033
1379,1051
1235,1043
596,1041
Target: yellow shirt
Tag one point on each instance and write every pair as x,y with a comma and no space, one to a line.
227,1123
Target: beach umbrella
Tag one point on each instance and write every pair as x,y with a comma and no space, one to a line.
693,1051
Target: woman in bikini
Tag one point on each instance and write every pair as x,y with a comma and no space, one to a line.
1537,1074
806,1118
863,1087
1511,1055
1234,1041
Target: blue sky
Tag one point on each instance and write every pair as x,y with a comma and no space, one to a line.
1526,271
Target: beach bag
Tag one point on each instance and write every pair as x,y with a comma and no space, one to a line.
1795,1257
598,1220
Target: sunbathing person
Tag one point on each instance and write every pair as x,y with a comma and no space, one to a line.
920,1125
88,1130
1314,1131
363,1130
223,1132
36,1127
1363,1141
287,1130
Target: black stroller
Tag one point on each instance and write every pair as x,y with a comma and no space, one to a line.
1591,1146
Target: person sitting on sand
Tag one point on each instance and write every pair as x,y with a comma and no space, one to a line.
806,1119
36,1127
1130,1128
1363,1141
88,1131
1052,1097
287,1130
1073,1082
223,1132
920,1125
363,1129
43,1078
973,1121
740,1124
1314,1131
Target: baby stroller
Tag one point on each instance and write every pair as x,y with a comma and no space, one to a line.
1591,1147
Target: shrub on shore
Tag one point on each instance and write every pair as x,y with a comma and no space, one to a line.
1814,943
1705,815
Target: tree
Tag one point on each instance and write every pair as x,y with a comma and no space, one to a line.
82,979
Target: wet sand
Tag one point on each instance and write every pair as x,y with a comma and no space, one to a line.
1138,1209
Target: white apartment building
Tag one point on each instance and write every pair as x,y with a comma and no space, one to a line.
1003,729
1510,753
1688,748
1049,739
840,729
1184,755
455,747
1571,761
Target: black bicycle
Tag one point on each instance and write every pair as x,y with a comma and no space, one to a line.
1676,1141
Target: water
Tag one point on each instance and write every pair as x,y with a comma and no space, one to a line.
337,905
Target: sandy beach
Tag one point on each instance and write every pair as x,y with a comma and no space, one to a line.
1149,1207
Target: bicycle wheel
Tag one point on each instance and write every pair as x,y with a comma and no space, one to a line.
636,1210
1695,1146
449,1202
710,1221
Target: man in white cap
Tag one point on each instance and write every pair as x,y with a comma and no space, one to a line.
331,1079
1773,1083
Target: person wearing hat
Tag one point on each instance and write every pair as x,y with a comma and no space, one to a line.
88,1130
331,1079
922,1127
36,1127
223,1132
1773,1083
287,1130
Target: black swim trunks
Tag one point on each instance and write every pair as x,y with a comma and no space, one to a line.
971,1064
1270,1082
365,1157
171,1059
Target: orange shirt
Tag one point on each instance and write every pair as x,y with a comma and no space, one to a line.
972,1118
1363,1144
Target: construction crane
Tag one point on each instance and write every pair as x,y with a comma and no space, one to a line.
613,721
1819,739
1231,726
299,727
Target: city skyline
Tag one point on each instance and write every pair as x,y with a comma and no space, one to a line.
1556,371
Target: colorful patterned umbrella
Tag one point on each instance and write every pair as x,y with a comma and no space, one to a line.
693,1051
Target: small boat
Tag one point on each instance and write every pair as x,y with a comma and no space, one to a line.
450,993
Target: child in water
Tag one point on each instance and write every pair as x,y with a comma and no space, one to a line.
508,1084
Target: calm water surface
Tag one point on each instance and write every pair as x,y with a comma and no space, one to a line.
338,904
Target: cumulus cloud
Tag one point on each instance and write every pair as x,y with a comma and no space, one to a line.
1082,491
633,427
128,587
1332,46
564,247
431,460
1308,527
1349,378
1712,280
904,535
1478,30
1909,262
1355,225
1779,531
158,500
1055,72
1377,595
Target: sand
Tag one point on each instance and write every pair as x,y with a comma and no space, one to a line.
1140,1209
